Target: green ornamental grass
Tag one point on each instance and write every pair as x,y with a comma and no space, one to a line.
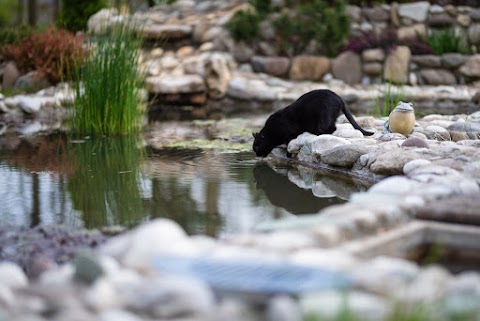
108,83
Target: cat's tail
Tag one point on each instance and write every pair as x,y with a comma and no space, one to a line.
352,121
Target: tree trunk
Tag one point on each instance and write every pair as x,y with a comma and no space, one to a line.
32,12
20,13
56,10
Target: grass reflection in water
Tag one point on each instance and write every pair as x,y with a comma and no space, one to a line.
105,185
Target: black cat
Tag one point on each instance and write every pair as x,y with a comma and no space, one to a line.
315,112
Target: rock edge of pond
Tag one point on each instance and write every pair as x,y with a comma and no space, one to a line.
417,176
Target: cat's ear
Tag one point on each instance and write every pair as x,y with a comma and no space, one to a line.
254,135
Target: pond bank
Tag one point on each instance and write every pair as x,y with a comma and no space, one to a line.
375,240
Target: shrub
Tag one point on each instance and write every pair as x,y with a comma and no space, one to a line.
316,20
288,34
262,7
74,14
244,26
446,40
108,84
52,52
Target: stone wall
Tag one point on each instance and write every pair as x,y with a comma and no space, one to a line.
399,65
202,27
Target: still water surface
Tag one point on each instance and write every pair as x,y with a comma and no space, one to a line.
115,181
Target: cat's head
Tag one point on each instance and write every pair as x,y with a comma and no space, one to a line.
261,144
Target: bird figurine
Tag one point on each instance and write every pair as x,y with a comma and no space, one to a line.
401,119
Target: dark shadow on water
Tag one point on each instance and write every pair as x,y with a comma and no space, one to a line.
281,192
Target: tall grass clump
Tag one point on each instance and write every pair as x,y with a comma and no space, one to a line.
108,83
447,41
392,96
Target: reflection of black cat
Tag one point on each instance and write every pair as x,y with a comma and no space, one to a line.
315,112
283,193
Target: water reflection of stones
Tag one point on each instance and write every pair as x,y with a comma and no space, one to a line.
313,190
290,190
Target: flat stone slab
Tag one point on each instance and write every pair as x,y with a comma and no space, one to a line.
185,84
166,31
459,209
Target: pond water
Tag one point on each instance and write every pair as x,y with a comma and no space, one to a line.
108,182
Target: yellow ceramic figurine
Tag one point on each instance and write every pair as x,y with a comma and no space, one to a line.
402,119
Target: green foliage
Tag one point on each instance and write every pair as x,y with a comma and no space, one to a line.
74,14
392,96
108,84
288,31
244,26
316,20
14,35
296,27
447,40
6,9
262,7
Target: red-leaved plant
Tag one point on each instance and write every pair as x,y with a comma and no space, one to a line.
52,52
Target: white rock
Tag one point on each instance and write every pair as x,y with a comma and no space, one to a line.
29,104
326,142
62,275
296,144
416,11
118,315
437,132
324,258
283,308
285,241
467,283
102,296
395,185
385,275
411,165
100,20
138,247
347,133
12,276
252,89
329,304
168,296
7,298
175,84
429,286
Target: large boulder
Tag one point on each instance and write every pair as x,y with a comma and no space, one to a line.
347,67
219,70
396,65
344,155
392,163
309,67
